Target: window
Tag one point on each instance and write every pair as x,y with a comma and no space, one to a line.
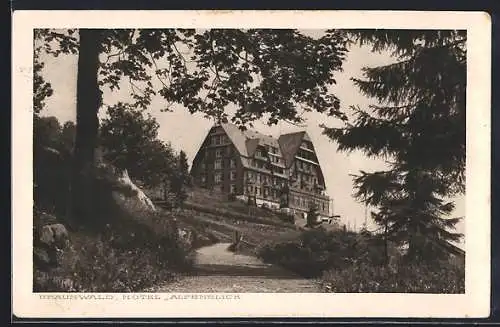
323,206
203,179
215,140
203,166
233,175
233,188
258,177
232,163
218,164
266,192
218,178
257,190
218,153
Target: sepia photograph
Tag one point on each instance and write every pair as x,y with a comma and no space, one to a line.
249,160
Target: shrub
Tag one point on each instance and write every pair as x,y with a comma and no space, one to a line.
363,277
312,217
98,266
288,218
116,261
351,262
125,249
314,252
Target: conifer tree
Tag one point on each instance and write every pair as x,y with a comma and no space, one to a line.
180,179
184,168
419,128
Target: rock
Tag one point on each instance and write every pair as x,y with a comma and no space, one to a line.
54,235
142,198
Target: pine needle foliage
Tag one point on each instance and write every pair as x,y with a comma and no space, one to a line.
418,127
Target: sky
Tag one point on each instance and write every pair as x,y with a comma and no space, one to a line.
186,131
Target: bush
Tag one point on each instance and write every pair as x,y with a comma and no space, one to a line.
126,248
288,218
351,262
314,252
442,278
115,261
100,267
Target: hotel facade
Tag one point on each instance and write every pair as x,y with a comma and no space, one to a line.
280,172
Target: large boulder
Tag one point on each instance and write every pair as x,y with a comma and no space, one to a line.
134,193
54,236
51,240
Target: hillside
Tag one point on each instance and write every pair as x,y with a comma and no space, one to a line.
216,217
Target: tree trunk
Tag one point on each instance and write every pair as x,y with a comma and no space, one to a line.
88,101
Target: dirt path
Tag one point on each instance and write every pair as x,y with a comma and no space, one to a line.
219,270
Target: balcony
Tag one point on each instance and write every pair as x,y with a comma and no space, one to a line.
306,160
260,156
280,165
302,147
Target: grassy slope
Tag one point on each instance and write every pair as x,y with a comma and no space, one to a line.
212,214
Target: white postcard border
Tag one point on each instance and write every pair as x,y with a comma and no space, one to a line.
474,303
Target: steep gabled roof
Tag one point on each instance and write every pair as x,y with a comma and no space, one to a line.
289,144
246,141
237,137
252,146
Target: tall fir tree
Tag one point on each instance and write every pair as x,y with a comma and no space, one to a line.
180,179
184,168
419,128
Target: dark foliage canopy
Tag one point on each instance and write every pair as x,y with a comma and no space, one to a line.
130,140
277,74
